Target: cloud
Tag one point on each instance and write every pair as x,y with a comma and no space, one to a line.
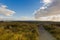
5,11
50,8
47,1
55,18
50,18
26,18
1,17
5,18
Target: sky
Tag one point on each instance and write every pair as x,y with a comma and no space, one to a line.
21,8
40,10
50,11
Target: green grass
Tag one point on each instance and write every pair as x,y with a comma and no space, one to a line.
18,31
27,30
54,29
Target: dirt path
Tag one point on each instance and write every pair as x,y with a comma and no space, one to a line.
44,35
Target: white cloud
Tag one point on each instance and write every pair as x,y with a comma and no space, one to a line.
50,8
5,18
26,18
1,17
50,18
46,1
5,11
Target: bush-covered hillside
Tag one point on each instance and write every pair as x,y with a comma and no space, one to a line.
18,31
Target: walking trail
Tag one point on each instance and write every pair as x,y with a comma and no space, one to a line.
44,35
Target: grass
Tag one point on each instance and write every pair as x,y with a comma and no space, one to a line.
27,30
18,31
54,29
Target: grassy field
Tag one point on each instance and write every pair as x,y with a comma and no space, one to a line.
54,29
20,30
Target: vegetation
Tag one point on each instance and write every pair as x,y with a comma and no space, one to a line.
27,30
18,31
54,29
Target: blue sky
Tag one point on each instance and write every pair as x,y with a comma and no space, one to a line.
46,10
22,7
